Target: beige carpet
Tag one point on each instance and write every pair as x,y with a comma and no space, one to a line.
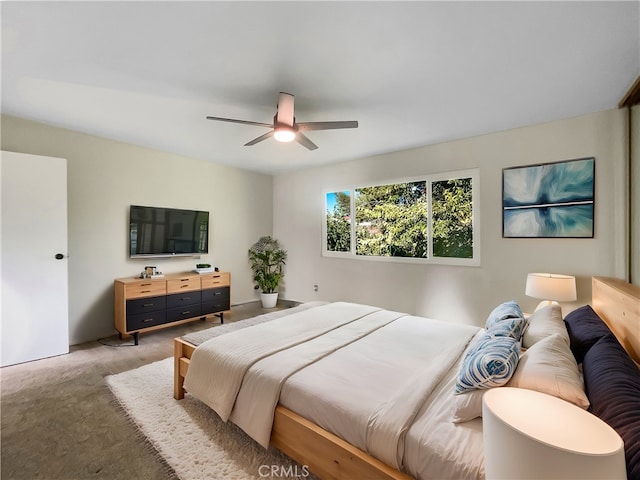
189,435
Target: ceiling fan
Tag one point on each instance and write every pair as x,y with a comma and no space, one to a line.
285,128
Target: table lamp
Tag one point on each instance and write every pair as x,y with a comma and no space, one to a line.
551,287
532,435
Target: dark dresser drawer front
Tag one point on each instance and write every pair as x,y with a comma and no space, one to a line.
146,320
182,299
183,312
215,307
215,300
215,295
149,304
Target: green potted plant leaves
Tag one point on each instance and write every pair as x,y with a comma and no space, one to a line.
267,258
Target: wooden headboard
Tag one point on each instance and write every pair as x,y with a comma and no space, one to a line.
618,303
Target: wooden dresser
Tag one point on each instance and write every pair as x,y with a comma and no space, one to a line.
145,304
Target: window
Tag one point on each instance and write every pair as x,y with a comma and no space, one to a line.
451,204
391,220
433,219
338,222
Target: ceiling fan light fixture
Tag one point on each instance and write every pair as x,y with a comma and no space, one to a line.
285,128
284,135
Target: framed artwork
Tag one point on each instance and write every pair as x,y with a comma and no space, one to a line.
549,200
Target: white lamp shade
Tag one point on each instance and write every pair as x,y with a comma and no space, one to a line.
532,435
551,286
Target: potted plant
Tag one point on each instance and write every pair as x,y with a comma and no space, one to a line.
267,259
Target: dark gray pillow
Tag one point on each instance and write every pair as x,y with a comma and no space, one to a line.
585,328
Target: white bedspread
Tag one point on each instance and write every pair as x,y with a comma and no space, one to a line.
434,446
398,368
399,360
218,366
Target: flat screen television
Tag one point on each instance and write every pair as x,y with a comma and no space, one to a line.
167,232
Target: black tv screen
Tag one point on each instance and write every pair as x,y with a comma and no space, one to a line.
167,232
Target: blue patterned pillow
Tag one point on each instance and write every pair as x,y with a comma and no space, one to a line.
489,362
506,319
509,327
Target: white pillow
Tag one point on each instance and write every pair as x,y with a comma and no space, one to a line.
546,303
550,367
543,323
467,406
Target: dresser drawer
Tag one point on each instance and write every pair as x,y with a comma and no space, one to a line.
146,320
146,304
215,300
145,288
215,307
184,312
215,280
215,294
183,284
184,298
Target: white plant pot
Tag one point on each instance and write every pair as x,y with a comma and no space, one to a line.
269,300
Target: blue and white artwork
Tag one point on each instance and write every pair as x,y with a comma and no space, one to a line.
549,200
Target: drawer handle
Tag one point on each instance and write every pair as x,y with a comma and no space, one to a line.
184,286
148,305
186,313
145,291
145,284
218,293
147,320
216,276
184,279
185,298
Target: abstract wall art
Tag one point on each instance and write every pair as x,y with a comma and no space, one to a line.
549,200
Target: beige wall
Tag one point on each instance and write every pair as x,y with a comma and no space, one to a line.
635,194
463,294
104,178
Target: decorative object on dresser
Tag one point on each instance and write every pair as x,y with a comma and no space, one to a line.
551,287
155,303
204,268
267,259
529,434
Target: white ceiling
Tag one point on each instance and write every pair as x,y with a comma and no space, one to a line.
412,73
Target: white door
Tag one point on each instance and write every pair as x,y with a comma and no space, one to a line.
34,308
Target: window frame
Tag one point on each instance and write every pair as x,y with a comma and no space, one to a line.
473,173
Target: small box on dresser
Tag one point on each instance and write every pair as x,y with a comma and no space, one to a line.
145,304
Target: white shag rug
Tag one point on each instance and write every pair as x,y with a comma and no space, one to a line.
190,436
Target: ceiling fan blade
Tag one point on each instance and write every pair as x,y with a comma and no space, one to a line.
285,109
305,142
260,138
308,126
245,122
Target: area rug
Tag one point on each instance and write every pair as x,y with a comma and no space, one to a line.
190,436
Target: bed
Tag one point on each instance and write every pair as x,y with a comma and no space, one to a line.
426,445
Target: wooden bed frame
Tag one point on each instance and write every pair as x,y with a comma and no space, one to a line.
618,303
331,458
